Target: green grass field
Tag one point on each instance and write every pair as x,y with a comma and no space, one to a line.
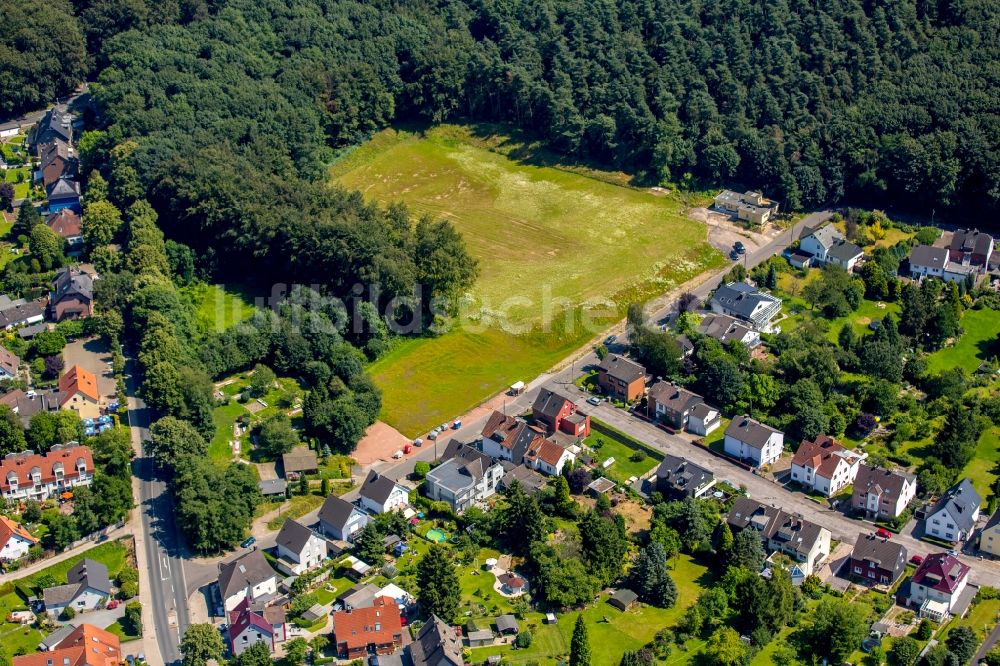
621,447
218,307
279,399
977,344
980,468
548,240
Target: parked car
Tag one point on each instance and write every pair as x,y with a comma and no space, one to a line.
397,455
734,255
456,425
249,542
738,246
113,604
610,339
594,400
883,533
444,426
917,559
432,435
407,448
418,442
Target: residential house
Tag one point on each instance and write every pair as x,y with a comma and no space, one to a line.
72,295
704,419
9,364
299,548
554,412
273,488
15,540
58,160
747,303
56,125
971,247
677,478
725,329
937,584
621,378
877,561
954,516
361,595
78,391
882,494
20,312
623,599
547,457
249,626
751,440
828,246
750,206
380,494
803,541
989,538
507,438
377,629
64,193
824,466
339,519
436,644
931,262
26,406
671,403
466,477
36,476
249,576
530,481
300,460
87,586
67,225
85,645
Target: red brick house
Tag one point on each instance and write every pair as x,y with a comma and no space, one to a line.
555,412
621,378
362,630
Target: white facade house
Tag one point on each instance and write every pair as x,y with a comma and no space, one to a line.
15,540
954,516
825,466
339,519
299,548
751,440
466,478
828,246
937,584
28,475
745,302
380,494
704,419
548,457
248,576
88,586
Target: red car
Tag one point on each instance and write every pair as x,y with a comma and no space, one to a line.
917,559
113,604
883,533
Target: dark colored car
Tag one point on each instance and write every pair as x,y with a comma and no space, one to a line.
738,246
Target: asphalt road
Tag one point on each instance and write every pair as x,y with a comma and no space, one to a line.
164,554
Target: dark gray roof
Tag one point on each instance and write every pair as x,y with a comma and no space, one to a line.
92,574
674,399
64,187
530,480
961,501
72,282
60,595
245,571
377,487
723,328
300,459
436,645
886,554
878,480
294,536
57,124
463,466
682,474
971,240
336,511
685,344
56,637
702,410
21,312
926,255
994,519
32,330
624,596
740,298
507,623
361,595
750,431
844,250
774,524
548,403
622,368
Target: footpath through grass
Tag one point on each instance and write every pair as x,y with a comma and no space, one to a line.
549,241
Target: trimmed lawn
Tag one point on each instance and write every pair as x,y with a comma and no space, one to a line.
617,445
224,417
217,307
549,241
611,631
976,345
866,313
118,630
981,618
980,469
280,399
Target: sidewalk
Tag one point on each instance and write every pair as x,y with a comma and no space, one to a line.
65,555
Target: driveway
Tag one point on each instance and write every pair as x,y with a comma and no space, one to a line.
92,354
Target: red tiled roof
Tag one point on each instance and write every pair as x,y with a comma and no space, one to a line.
241,618
546,450
8,528
941,572
65,223
79,380
360,627
84,646
22,464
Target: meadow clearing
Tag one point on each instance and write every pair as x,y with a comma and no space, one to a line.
551,242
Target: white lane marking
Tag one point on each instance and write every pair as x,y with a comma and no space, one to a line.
164,564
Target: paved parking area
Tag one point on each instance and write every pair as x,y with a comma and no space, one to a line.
92,354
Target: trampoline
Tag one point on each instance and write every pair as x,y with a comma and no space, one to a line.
436,535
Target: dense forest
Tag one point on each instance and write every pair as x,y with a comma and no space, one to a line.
886,100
